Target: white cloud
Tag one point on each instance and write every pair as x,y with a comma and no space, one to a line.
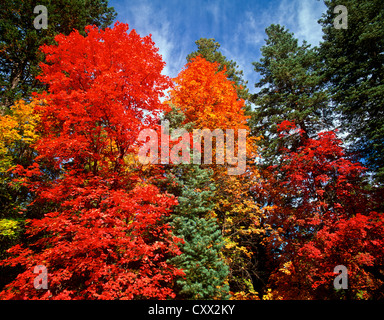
252,29
299,16
148,20
175,27
285,13
309,12
215,9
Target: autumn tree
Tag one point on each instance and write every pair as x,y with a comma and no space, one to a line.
356,243
17,135
209,50
312,198
19,65
20,40
107,238
209,100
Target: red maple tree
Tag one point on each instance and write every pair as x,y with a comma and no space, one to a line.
320,214
106,237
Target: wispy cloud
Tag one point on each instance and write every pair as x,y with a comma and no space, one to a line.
147,19
308,13
299,16
239,26
253,27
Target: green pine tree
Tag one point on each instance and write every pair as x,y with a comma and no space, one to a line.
20,41
290,90
353,60
205,270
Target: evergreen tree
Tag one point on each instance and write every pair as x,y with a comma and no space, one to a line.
20,40
290,90
354,70
205,270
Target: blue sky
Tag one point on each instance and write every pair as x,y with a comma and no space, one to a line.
238,25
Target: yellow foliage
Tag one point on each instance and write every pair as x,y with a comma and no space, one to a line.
229,244
250,294
272,295
17,129
269,295
8,227
286,268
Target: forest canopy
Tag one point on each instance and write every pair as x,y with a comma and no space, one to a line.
77,202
